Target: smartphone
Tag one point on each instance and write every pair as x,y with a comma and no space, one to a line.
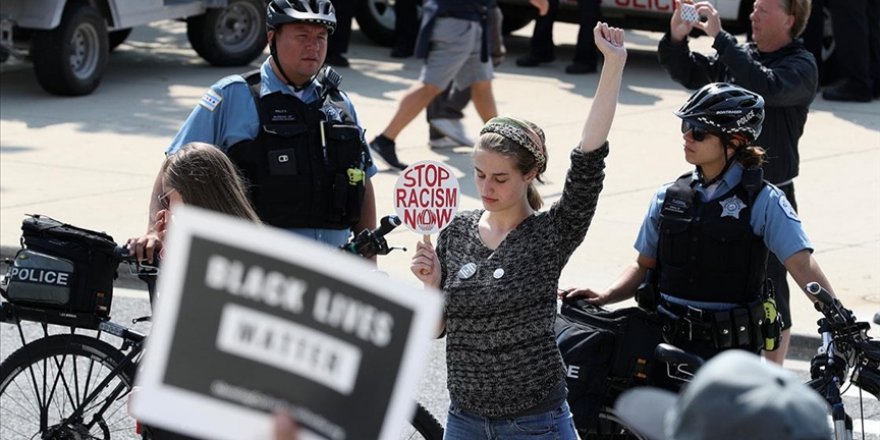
689,13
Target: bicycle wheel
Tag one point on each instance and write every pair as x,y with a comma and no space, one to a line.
610,427
424,426
44,382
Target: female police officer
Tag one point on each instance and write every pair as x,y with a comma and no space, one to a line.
703,244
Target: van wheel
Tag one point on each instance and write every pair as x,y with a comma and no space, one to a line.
230,36
376,19
70,59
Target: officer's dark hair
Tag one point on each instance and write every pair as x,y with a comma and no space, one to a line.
748,155
800,10
205,177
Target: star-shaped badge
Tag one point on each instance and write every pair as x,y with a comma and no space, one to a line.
730,207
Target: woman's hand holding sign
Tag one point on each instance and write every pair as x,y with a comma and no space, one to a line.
425,263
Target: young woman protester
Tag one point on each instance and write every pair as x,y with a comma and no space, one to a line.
200,175
499,268
704,241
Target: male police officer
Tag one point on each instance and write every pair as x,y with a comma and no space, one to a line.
291,132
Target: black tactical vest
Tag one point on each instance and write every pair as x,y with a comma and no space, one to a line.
307,166
707,251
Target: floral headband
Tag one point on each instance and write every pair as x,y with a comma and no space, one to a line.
523,133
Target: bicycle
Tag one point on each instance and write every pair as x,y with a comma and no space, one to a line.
846,353
70,385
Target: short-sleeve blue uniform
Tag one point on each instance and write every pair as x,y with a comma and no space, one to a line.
227,115
772,218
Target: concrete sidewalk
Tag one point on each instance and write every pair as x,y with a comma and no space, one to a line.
91,161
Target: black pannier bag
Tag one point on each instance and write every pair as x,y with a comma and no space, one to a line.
586,352
600,347
63,267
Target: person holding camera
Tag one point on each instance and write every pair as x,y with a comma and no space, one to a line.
777,66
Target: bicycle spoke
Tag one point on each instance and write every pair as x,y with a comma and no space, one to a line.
66,387
29,414
23,398
60,377
44,405
21,434
76,384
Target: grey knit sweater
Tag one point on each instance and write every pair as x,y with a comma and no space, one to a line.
501,354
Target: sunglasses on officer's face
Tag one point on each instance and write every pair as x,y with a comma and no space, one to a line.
699,134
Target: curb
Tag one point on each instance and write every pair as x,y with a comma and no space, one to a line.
802,346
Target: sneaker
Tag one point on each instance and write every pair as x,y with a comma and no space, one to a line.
337,60
534,60
453,129
442,142
384,147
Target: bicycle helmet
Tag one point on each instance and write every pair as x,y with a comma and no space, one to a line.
300,11
725,109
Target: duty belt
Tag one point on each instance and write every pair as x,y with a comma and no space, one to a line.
737,327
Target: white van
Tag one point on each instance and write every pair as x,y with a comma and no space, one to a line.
69,41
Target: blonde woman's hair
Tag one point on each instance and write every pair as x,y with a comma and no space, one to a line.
205,177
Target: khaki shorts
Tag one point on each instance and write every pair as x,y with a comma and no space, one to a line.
455,54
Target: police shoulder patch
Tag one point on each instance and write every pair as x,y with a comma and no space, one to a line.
787,208
210,100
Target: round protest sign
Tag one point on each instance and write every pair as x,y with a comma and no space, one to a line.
426,197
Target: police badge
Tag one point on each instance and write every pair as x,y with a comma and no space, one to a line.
730,207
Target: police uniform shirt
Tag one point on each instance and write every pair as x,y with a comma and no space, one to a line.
772,218
226,115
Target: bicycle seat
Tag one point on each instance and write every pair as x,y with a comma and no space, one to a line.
671,354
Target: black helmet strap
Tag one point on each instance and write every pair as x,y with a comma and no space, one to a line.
728,161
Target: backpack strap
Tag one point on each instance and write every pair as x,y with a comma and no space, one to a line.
679,200
254,82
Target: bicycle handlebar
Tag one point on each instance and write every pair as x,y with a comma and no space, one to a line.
820,293
386,225
124,254
139,268
371,243
830,306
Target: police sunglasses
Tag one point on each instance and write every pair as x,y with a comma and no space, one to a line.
699,134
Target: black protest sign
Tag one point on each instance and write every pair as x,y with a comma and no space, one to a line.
263,331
